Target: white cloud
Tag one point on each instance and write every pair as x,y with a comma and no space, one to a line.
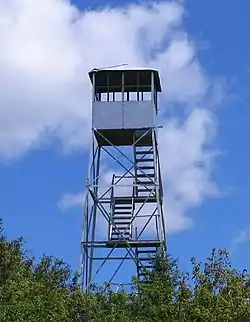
71,200
186,165
182,75
48,46
242,236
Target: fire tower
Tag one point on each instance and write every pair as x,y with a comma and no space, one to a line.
123,226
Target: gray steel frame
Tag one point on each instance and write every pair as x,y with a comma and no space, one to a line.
96,201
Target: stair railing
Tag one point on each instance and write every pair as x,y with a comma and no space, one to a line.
112,206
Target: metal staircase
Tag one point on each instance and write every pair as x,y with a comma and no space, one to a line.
144,171
145,191
145,257
121,227
123,210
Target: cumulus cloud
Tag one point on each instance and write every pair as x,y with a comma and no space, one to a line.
183,77
186,165
48,46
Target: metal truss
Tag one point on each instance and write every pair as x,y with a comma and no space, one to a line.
134,219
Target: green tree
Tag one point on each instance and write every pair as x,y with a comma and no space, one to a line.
30,291
47,290
214,291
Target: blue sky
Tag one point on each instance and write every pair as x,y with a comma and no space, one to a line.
35,175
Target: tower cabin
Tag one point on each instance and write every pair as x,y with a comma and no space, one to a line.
124,101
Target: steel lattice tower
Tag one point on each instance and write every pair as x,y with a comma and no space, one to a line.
123,215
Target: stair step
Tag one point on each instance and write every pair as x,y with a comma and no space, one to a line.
145,167
121,233
115,232
121,221
122,201
121,237
118,223
146,175
141,259
148,182
123,218
144,152
146,193
146,199
144,160
121,226
119,206
122,213
146,251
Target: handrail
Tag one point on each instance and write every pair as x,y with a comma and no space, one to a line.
133,206
111,211
112,187
160,178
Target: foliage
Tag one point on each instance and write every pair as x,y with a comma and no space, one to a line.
47,291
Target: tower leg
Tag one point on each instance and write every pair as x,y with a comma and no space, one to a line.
96,171
89,221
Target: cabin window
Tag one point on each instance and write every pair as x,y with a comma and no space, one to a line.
124,86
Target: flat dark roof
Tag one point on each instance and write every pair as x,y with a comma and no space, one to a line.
132,76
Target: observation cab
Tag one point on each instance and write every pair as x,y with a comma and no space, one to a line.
124,104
